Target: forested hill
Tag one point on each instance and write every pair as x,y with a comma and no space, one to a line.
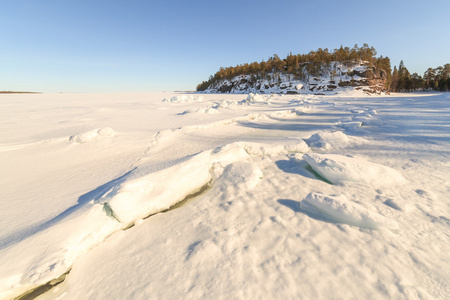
320,70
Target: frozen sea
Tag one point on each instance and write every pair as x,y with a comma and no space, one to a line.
219,196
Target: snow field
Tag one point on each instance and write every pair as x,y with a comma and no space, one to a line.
117,209
122,206
287,205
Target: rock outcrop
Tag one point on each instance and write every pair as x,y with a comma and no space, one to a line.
331,78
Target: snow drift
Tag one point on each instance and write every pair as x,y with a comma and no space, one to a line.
339,169
92,135
339,209
327,140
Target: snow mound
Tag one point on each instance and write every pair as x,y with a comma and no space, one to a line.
183,98
340,210
351,126
244,175
254,98
362,117
365,118
297,146
327,140
339,169
209,110
158,191
263,149
227,103
92,135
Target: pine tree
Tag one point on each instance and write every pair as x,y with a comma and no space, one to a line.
394,81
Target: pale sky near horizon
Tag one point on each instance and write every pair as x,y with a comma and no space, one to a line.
139,46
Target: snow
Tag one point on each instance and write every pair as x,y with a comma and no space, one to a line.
254,98
340,209
41,262
287,196
280,148
299,86
339,169
92,135
150,194
243,175
183,98
327,140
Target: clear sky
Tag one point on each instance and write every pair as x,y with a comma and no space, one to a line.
138,46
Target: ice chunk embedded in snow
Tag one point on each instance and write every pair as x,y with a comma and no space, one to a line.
297,145
263,149
207,110
183,98
339,209
255,98
69,239
339,169
160,190
327,140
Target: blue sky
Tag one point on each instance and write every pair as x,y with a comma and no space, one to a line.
139,46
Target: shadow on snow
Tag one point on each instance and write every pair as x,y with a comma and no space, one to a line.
82,201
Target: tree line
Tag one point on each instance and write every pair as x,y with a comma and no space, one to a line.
316,62
437,79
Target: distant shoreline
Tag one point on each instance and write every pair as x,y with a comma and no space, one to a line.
12,92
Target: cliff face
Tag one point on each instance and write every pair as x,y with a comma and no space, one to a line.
328,79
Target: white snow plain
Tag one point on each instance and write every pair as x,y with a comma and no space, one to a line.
180,196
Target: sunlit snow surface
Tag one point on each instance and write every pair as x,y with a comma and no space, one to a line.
187,196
